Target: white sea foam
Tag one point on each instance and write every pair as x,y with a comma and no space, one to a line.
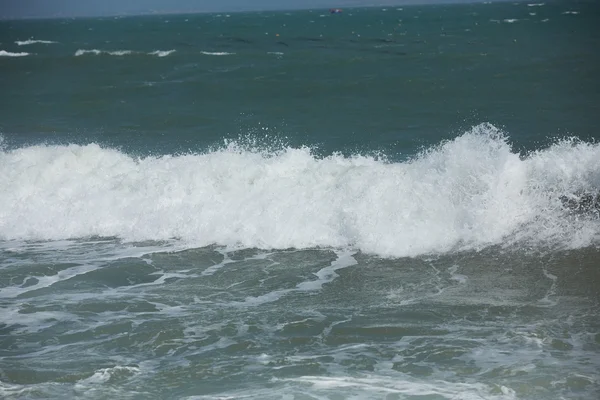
105,375
535,4
510,20
162,53
389,385
32,41
119,52
82,52
571,12
87,256
324,275
369,387
32,322
158,53
4,53
216,53
467,193
45,281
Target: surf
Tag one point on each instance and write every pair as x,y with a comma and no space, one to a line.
468,193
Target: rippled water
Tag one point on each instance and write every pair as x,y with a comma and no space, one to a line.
382,204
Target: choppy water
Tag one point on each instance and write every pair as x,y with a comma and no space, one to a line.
302,205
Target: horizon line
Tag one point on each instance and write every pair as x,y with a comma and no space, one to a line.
151,12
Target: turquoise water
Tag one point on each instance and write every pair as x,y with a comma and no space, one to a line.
301,205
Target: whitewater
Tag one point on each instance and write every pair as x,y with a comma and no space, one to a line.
467,193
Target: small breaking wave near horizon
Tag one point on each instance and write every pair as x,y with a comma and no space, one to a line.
464,194
162,53
82,52
217,53
4,53
33,41
97,52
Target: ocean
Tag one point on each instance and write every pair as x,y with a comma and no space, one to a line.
387,203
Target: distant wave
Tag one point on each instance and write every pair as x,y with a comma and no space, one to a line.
571,12
81,52
216,53
32,41
535,4
120,52
467,193
159,53
510,20
4,53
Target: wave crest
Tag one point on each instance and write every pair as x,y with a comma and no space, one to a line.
33,41
4,53
159,53
467,193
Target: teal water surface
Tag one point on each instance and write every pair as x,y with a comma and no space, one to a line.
396,78
388,203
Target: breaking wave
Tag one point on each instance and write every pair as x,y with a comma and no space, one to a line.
33,41
159,53
467,193
4,53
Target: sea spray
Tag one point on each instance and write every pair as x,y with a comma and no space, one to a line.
466,193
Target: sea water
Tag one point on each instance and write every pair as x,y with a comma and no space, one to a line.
299,205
